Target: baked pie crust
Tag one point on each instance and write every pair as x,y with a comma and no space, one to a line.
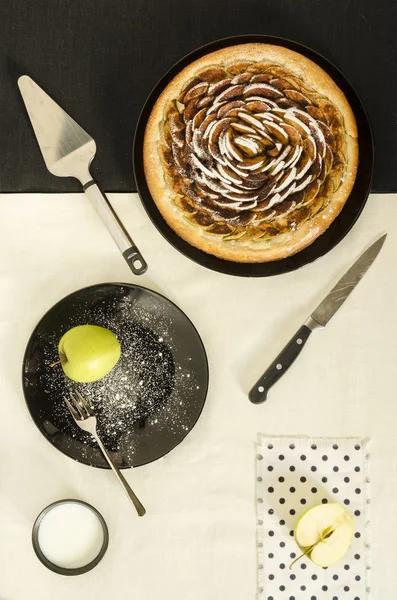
251,152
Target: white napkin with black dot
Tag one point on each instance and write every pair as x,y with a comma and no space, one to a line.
294,474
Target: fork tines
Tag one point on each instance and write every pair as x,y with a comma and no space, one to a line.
79,407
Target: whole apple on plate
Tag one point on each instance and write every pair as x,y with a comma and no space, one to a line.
88,353
324,533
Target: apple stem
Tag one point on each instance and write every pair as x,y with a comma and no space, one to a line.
62,358
54,364
304,554
309,550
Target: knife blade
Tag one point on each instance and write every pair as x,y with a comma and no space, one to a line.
318,319
68,151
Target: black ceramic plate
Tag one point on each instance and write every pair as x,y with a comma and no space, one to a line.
338,229
149,401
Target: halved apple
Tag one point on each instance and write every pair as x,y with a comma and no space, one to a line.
324,533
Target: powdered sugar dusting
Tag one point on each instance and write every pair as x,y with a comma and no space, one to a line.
146,389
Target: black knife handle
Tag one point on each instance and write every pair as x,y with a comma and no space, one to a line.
284,360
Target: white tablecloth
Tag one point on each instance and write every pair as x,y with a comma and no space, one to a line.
198,540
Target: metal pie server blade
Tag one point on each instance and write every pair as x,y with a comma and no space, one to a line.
66,148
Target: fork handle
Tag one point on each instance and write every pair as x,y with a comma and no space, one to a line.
124,483
106,212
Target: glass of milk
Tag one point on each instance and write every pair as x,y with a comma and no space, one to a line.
70,537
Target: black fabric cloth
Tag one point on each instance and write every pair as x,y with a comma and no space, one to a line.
100,58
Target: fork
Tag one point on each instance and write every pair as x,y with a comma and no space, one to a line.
84,416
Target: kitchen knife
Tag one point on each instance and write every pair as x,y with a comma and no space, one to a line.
319,318
68,151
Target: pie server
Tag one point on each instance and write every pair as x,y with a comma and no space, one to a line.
319,318
68,151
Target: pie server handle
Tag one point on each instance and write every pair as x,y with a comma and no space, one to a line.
128,249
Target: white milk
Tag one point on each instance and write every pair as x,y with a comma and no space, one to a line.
70,535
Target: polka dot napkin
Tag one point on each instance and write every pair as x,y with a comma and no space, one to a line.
293,475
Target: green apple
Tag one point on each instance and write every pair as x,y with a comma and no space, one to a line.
324,533
88,352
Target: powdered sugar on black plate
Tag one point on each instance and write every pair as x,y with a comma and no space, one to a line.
147,389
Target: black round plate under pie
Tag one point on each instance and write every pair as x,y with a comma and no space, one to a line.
150,400
325,242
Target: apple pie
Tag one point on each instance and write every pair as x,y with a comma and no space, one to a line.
251,152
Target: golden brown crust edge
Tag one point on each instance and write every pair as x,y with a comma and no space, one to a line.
282,245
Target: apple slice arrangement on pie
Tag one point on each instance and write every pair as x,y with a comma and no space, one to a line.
251,152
